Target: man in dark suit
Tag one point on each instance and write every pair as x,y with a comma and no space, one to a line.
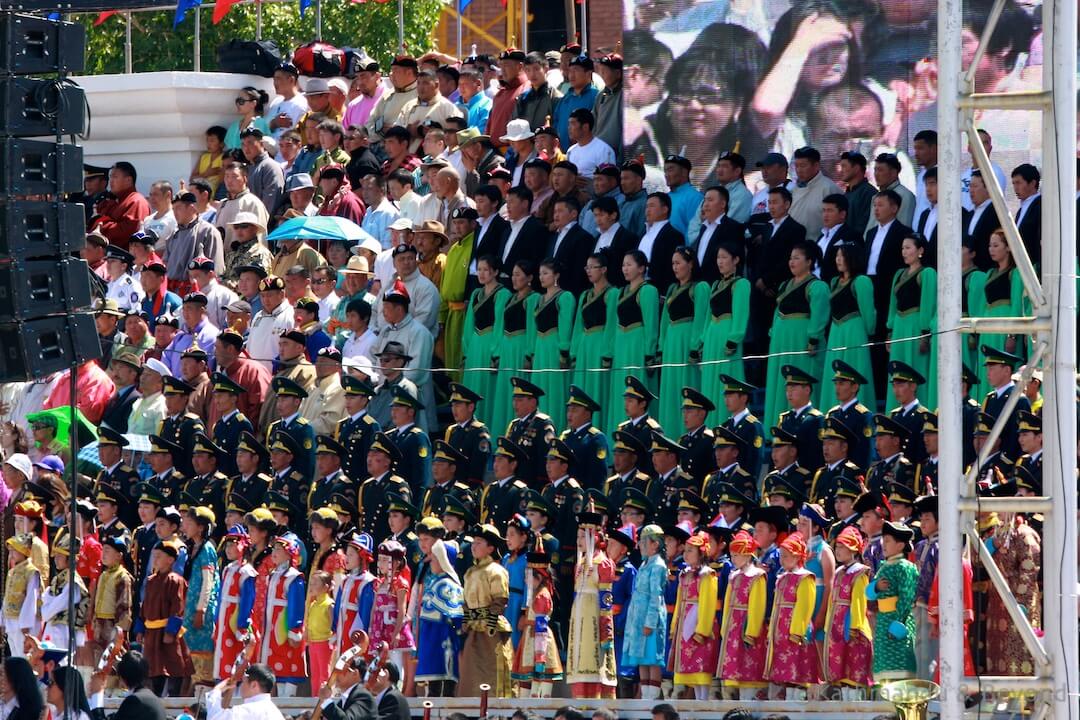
390,703
571,245
982,222
1025,182
835,231
491,227
767,262
612,238
124,369
717,229
355,702
883,259
140,704
527,239
660,240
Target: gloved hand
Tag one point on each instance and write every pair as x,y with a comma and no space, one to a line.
898,630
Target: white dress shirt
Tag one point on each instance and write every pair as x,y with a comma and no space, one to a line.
481,229
256,707
649,238
562,235
607,237
876,245
707,229
515,229
931,223
977,215
827,235
1025,205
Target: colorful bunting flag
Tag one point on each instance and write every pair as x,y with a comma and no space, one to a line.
222,8
182,8
102,17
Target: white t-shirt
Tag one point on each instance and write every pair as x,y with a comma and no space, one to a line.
588,156
294,107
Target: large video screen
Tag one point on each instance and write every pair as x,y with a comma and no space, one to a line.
709,76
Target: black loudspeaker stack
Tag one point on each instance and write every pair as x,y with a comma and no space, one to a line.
44,286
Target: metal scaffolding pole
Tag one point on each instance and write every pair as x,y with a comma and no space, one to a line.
1053,327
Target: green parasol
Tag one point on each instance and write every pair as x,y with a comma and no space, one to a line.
62,416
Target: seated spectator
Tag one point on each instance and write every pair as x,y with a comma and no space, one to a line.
428,106
605,183
362,161
475,102
290,104
93,389
537,178
158,300
276,317
416,342
204,194
119,216
194,238
202,274
299,192
581,93
265,178
323,288
380,211
239,199
402,190
331,136
250,104
339,198
478,156
448,77
422,294
355,275
359,339
246,250
397,147
292,252
195,330
161,221
588,151
309,134
93,252
297,284
365,91
538,102
289,149
520,136
210,165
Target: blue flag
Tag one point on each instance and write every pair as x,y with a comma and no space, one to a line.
182,8
462,4
304,5
54,16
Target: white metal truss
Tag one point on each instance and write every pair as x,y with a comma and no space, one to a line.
1052,325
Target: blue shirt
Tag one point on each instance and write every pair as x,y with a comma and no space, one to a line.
587,220
685,201
204,333
168,307
569,103
632,212
740,200
377,221
478,109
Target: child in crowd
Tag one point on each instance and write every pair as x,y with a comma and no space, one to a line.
162,611
56,597
283,620
848,644
317,628
645,638
441,616
537,666
209,166
22,592
112,597
590,652
893,587
388,613
518,540
694,630
200,605
792,665
743,652
235,605
356,596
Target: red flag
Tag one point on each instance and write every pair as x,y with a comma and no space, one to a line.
102,17
222,8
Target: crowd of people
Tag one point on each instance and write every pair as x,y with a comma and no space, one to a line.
510,427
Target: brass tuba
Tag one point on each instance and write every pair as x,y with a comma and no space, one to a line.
910,697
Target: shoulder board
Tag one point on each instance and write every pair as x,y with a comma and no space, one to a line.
850,465
573,483
684,475
638,475
652,423
415,431
861,408
410,535
895,410
476,424
707,432
593,430
750,418
296,474
519,483
739,471
623,424
191,416
302,420
461,486
770,474
239,417
397,480
833,409
563,434
368,419
902,461
264,477
802,471
125,468
782,415
542,416
813,411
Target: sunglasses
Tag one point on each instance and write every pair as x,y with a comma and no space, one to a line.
244,101
243,226
320,282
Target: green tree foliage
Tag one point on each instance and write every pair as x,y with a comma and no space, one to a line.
156,46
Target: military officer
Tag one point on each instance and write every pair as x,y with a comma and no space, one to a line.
893,466
118,474
289,480
734,508
783,493
123,288
692,509
289,395
902,503
530,430
785,458
999,369
208,486
288,514
853,414
331,480
636,400
586,442
180,426
671,479
698,460
637,509
998,465
356,431
929,467
1029,436
970,410
414,465
400,516
539,513
565,496
802,419
251,482
624,458
444,465
727,451
231,422
848,490
167,478
457,519
144,537
373,499
909,412
469,436
836,441
506,494
743,423
113,526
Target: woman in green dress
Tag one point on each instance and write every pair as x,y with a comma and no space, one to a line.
1003,296
913,314
482,332
550,356
721,343
594,332
637,313
452,305
682,322
518,336
854,316
798,329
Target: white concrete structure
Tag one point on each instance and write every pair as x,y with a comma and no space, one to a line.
158,120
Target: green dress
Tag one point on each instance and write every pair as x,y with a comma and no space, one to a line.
800,321
452,299
913,312
554,321
594,333
1003,296
853,320
518,336
482,332
681,325
637,313
894,658
972,302
722,340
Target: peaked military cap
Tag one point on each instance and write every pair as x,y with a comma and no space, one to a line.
834,428
249,443
577,396
723,437
288,386
445,452
404,398
637,500
398,503
203,444
108,436
628,442
453,505
159,444
327,444
176,386
507,448
460,393
637,389
524,387
731,495
538,503
662,443
902,372
1029,422
999,357
223,383
559,450
843,371
382,443
930,423
900,493
735,385
780,436
690,500
149,493
284,442
357,386
847,486
694,399
885,425
795,375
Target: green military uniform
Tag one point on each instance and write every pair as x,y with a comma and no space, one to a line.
856,417
434,495
644,426
373,498
336,483
182,427
471,438
746,426
122,477
296,427
414,465
533,433
698,459
254,487
895,468
504,497
227,430
587,443
357,431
